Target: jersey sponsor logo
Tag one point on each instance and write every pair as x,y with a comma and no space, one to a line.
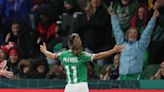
71,60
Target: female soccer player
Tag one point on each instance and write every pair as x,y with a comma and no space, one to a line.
75,61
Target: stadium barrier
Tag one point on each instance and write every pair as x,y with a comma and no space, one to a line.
93,84
60,90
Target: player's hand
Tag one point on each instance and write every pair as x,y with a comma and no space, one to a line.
118,48
43,48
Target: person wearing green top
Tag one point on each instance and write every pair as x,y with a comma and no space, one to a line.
125,10
75,62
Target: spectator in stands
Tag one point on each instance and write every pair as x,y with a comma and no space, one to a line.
90,71
156,50
46,29
125,10
19,38
5,50
15,10
131,59
13,62
3,64
8,46
69,19
160,73
112,71
3,58
18,10
56,72
13,35
26,70
34,14
56,8
41,69
105,74
115,69
98,30
139,19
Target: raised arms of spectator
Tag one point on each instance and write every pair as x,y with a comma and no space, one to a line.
146,35
118,33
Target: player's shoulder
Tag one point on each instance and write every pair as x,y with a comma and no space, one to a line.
63,52
86,53
67,52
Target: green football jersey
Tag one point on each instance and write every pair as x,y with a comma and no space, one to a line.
75,66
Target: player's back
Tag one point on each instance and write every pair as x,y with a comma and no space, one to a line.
75,66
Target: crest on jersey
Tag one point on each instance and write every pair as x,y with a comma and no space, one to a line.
87,54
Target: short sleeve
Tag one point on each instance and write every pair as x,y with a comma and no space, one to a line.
88,56
60,55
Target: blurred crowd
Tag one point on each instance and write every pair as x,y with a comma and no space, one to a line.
25,24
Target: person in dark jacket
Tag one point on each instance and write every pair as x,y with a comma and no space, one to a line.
13,61
98,34
26,70
156,50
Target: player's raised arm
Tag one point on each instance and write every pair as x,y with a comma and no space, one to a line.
101,55
47,53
